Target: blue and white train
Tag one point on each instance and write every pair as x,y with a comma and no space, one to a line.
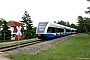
48,30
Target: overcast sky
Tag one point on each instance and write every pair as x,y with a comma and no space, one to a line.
43,10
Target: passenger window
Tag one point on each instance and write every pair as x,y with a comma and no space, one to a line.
49,30
53,30
60,30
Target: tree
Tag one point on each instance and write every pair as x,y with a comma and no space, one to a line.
73,26
84,23
60,22
1,22
34,32
5,32
28,22
87,21
67,24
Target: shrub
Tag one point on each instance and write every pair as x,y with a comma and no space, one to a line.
88,33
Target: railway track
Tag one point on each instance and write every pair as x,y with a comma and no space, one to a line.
12,47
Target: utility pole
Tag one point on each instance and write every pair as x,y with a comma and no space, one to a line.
88,12
4,36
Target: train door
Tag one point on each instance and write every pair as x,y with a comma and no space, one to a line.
64,31
56,30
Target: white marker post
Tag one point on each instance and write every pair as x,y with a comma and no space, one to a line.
18,34
4,36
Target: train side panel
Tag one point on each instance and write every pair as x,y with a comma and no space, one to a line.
47,30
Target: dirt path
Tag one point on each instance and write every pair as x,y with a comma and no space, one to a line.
2,56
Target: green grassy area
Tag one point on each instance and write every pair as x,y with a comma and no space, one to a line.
1,41
8,43
75,48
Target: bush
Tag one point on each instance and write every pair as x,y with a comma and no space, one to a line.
88,33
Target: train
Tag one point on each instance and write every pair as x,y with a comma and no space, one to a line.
49,30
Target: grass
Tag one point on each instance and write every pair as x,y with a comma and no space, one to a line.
75,48
6,41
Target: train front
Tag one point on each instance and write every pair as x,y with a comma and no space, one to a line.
41,30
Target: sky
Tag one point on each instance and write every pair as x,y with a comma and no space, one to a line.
44,10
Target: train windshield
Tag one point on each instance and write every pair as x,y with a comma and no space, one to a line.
41,27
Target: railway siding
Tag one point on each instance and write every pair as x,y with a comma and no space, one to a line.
40,46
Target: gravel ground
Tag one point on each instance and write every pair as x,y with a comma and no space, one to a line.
2,56
40,46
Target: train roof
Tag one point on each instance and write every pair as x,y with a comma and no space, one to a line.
68,27
55,25
73,29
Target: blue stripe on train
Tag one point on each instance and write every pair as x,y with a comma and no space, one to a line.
49,35
52,35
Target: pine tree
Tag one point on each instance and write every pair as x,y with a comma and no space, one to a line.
28,22
5,33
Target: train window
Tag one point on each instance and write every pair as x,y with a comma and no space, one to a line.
75,30
67,30
72,30
41,26
60,30
41,29
49,30
53,30
43,23
56,30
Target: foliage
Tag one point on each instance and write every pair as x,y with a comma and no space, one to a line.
84,24
73,25
5,32
28,33
66,24
88,33
72,49
61,22
34,32
1,22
